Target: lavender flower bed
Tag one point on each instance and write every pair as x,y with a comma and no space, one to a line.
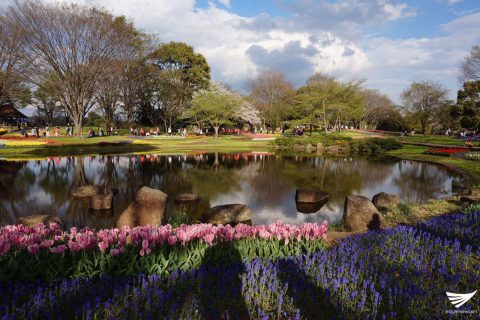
401,273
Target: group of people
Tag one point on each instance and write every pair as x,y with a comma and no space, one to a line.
37,132
102,133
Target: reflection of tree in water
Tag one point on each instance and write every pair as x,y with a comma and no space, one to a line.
419,182
9,172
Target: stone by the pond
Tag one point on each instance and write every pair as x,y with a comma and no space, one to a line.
186,197
385,200
148,208
35,220
86,191
101,201
360,214
470,199
228,214
311,196
305,207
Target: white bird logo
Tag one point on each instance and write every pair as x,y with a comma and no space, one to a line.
459,299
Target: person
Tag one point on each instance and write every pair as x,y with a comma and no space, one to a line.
469,144
169,131
142,132
131,130
67,130
47,131
185,132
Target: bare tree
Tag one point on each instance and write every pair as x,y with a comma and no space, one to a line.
378,107
471,66
130,83
266,91
74,44
108,96
12,87
424,100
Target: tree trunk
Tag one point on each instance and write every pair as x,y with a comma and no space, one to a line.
79,126
216,131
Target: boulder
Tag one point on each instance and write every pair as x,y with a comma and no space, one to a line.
305,207
87,191
34,220
228,214
148,208
360,214
186,197
385,200
311,196
101,201
470,199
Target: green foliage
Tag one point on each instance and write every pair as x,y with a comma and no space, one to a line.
162,261
216,106
180,56
468,105
373,146
327,140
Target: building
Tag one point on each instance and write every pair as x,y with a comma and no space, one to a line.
10,116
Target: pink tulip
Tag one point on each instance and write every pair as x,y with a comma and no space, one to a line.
172,240
33,248
61,248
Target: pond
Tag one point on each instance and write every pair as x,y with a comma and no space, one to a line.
264,181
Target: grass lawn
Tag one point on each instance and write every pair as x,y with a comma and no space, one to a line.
124,144
444,140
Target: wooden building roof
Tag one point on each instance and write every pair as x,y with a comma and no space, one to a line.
8,111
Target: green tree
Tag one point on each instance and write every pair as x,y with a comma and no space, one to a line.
467,109
215,106
324,102
424,100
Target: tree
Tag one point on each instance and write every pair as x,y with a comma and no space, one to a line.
267,93
46,102
216,106
379,109
467,108
130,83
71,45
470,69
324,102
109,94
424,100
12,85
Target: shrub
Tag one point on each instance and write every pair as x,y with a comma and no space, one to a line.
373,146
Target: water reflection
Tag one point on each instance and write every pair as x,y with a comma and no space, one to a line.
265,182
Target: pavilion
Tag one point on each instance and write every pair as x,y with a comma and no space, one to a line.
10,116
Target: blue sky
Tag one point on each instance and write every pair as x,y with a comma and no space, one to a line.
390,43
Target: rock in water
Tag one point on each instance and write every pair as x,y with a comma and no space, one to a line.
385,200
186,197
148,208
228,214
360,214
311,196
101,201
35,220
87,191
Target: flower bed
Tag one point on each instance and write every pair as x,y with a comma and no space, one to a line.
29,253
446,151
399,273
475,156
3,131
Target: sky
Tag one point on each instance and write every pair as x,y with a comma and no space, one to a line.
390,43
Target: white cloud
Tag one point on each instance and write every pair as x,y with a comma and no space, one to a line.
317,36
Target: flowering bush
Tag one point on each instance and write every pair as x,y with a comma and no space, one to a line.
468,155
22,143
445,151
30,253
392,274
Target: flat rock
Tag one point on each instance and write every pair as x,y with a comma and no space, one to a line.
35,220
186,197
87,191
311,196
228,214
360,214
148,208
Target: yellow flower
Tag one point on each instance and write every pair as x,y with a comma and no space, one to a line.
22,143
